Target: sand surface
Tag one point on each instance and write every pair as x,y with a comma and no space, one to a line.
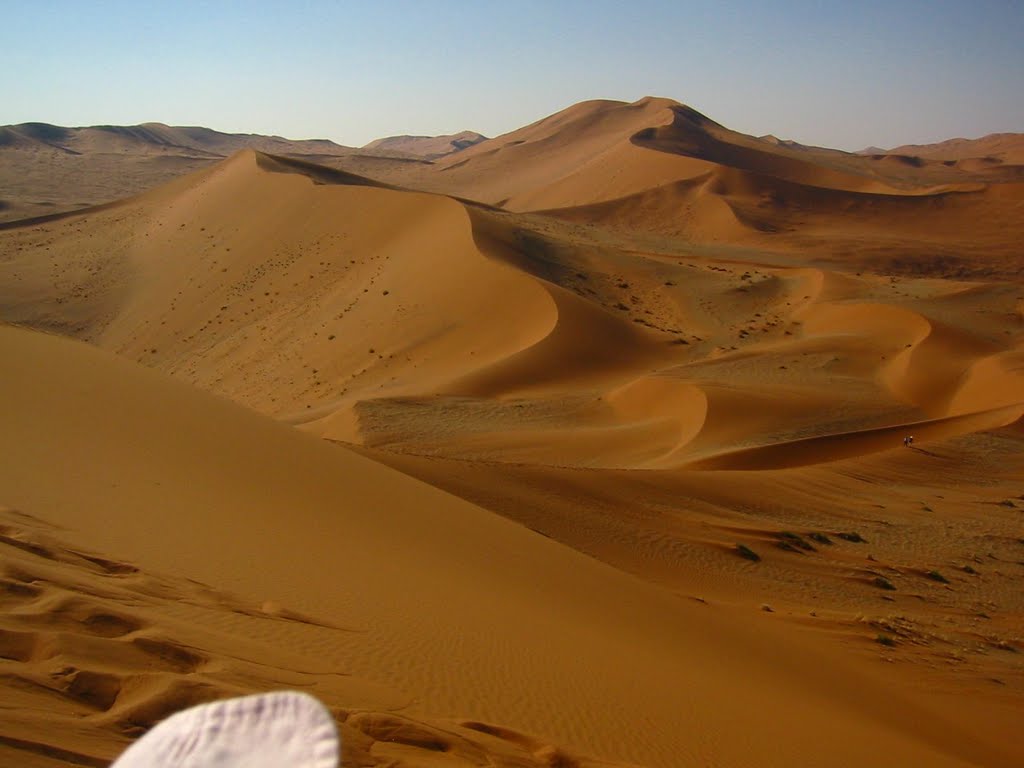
595,459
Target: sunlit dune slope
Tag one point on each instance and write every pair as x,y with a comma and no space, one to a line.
460,611
282,284
579,155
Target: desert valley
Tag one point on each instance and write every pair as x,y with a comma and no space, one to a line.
584,445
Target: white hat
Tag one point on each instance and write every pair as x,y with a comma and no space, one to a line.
284,729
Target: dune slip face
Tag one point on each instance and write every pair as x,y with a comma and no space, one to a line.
582,445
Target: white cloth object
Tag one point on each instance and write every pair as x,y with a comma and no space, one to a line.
284,729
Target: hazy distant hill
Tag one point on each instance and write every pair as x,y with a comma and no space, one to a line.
156,138
427,147
1006,148
50,168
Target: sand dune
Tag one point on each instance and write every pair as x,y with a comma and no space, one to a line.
815,450
204,279
408,575
653,377
226,265
588,154
577,156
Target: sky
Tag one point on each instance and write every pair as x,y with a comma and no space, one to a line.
840,74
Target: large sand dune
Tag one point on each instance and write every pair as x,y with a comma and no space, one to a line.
656,376
418,599
210,279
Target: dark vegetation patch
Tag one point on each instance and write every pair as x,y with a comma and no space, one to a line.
747,553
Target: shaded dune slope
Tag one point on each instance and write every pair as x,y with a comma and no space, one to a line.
691,134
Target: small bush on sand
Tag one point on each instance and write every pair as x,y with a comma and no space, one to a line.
795,540
747,553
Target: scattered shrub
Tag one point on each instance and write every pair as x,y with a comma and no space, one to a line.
796,540
883,583
747,553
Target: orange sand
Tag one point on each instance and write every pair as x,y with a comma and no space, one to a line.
476,473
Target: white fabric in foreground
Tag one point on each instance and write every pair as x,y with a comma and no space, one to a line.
284,729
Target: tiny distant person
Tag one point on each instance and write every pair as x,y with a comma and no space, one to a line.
906,442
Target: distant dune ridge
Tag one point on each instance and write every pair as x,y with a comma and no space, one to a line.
427,147
155,137
47,168
578,446
996,147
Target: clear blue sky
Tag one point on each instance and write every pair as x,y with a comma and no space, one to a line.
840,74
